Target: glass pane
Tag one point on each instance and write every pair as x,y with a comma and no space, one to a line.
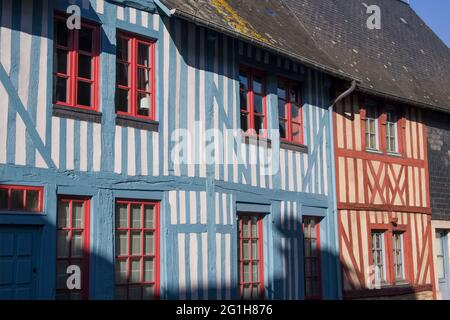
254,227
246,272
32,200
121,243
122,100
143,104
283,133
149,216
307,245
136,243
308,267
257,84
255,274
121,293
62,33
149,243
245,250
61,61
3,199
246,292
121,271
135,270
84,66
294,95
148,292
61,275
282,109
63,215
255,292
143,54
122,49
296,133
149,268
439,243
134,293
259,125
136,216
122,77
255,249
84,94
77,244
295,113
244,122
440,267
281,91
258,103
77,214
243,100
245,228
121,215
243,81
143,79
85,39
63,243
61,89
17,199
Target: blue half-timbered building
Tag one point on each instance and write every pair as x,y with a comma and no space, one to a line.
105,135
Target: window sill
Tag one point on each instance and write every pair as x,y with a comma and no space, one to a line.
374,151
77,114
293,147
137,123
394,154
256,140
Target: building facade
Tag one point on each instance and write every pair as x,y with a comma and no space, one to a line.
105,134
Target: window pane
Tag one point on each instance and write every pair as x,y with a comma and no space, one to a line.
246,272
32,200
148,292
136,243
77,214
143,79
61,274
149,268
122,77
121,216
296,133
144,54
255,254
281,108
149,243
61,61
122,49
17,199
243,100
440,267
136,216
63,242
294,95
259,125
84,66
77,244
85,39
245,250
257,84
84,94
63,215
121,293
62,33
143,104
122,100
134,293
283,133
149,219
244,122
135,270
295,113
121,271
281,91
243,80
258,104
255,275
3,199
121,243
61,89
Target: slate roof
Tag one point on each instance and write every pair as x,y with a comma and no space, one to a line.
403,60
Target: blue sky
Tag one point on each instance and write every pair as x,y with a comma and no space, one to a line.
436,14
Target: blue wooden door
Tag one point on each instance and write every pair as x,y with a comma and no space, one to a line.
19,252
442,264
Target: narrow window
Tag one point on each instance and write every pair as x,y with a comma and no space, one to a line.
137,250
391,131
251,278
440,258
21,198
378,257
371,129
311,249
397,247
290,111
252,101
135,76
72,246
76,65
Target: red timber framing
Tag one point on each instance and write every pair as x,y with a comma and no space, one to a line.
385,191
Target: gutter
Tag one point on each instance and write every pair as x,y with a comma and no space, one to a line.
214,26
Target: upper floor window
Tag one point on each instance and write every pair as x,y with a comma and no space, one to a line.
311,247
252,101
371,128
76,65
290,111
21,198
251,278
391,131
135,80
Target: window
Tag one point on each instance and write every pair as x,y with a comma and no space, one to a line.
311,247
137,250
378,257
135,80
251,278
391,131
371,129
440,259
21,198
290,111
252,101
397,248
76,65
72,246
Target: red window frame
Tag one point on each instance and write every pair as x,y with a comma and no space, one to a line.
85,230
312,259
142,256
72,76
290,122
249,109
133,65
251,217
10,188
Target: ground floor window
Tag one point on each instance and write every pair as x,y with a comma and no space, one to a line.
137,250
72,246
311,249
251,275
